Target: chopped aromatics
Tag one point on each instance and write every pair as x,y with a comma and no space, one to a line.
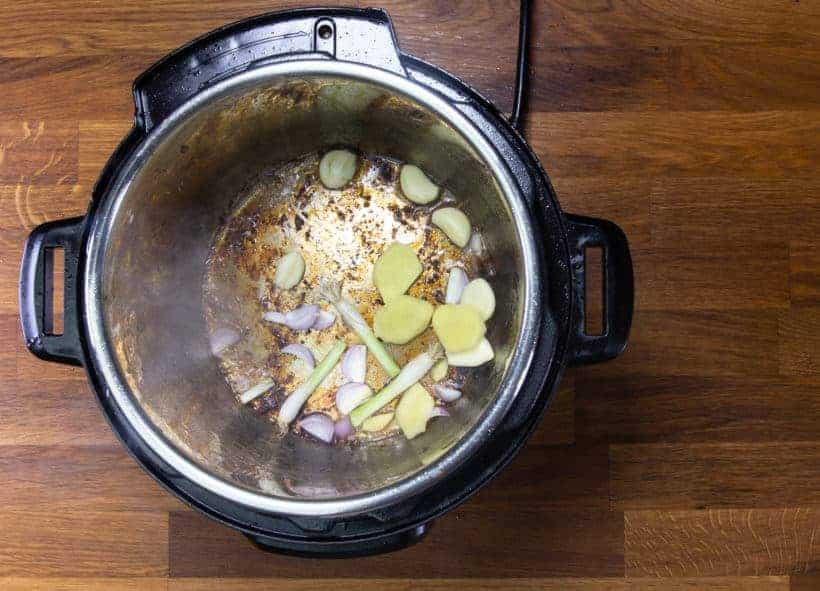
396,270
354,363
343,429
446,393
439,371
336,168
402,319
416,186
301,318
256,391
480,296
318,425
409,375
476,244
351,395
403,237
478,355
324,319
458,327
350,314
294,403
455,285
289,270
301,352
413,411
377,423
454,224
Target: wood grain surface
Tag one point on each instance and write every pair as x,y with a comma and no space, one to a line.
691,462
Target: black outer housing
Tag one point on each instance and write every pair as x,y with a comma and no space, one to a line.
562,340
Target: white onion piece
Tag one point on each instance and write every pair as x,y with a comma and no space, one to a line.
439,411
222,338
455,285
352,395
343,428
324,319
318,425
302,352
256,391
301,318
354,363
446,393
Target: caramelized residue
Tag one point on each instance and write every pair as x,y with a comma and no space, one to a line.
340,234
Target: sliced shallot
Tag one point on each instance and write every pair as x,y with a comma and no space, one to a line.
256,391
446,393
301,318
303,353
343,428
354,363
455,285
318,425
324,319
352,395
476,245
439,411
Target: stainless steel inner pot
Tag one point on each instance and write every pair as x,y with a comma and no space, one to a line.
147,254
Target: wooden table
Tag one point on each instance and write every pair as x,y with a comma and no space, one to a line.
691,462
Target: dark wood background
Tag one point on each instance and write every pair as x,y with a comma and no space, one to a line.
692,462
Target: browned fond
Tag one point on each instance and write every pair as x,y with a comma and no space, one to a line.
340,234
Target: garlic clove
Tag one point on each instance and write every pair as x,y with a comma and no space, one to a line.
454,224
336,168
416,186
289,270
480,296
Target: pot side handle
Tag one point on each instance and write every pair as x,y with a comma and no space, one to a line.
361,35
618,289
36,291
359,547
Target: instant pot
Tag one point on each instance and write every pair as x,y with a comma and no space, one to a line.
223,110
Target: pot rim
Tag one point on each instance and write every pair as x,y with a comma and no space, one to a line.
116,389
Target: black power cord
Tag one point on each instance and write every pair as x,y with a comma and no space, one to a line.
522,68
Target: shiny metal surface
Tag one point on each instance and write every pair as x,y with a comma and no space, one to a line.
146,259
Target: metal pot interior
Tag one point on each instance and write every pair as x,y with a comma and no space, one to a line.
155,257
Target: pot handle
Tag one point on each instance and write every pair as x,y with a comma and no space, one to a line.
36,291
360,35
618,289
318,548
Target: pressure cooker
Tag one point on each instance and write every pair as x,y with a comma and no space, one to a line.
224,109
